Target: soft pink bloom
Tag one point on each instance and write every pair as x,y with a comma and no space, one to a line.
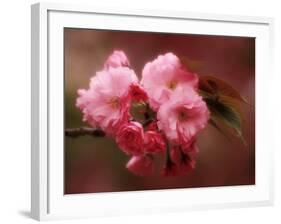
152,126
106,103
180,162
117,59
162,76
141,165
183,116
130,138
154,142
190,147
138,93
170,169
185,161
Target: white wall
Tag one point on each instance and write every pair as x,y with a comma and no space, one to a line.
15,110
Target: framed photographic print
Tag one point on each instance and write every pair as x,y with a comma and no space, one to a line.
148,111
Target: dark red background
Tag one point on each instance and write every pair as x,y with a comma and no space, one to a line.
97,165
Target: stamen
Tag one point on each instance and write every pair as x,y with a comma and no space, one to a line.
172,85
182,115
114,102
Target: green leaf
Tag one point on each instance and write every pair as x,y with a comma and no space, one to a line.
141,112
224,102
225,111
137,110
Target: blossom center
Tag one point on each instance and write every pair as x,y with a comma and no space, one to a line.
182,115
172,85
114,102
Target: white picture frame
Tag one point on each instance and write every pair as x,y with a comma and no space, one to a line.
48,201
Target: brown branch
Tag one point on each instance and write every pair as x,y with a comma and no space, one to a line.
77,132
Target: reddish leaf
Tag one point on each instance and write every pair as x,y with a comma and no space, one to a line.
224,102
191,65
213,85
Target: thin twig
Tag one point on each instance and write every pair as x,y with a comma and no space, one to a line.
77,132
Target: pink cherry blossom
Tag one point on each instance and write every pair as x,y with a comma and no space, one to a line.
130,138
168,88
183,116
106,103
162,76
170,169
154,142
141,165
117,59
152,126
189,147
137,93
184,161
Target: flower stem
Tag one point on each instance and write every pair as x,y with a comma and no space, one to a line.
168,156
77,132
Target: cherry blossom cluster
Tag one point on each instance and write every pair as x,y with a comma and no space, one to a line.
160,114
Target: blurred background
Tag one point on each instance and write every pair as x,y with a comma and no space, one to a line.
97,165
